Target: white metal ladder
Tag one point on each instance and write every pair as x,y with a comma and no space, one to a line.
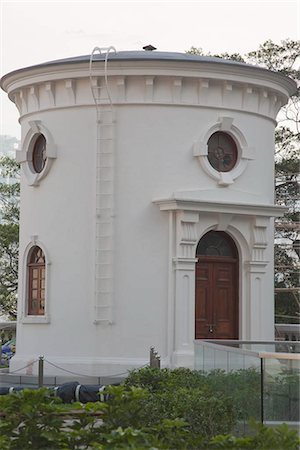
104,198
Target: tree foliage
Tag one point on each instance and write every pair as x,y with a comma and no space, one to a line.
9,234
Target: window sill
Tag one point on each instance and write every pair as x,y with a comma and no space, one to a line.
35,319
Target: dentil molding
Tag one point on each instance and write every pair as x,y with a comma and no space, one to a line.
48,93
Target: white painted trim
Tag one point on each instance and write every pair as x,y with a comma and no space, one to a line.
185,234
235,85
245,153
173,204
24,156
171,299
35,319
252,75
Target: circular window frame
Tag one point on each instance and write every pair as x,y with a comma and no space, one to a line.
25,156
212,150
33,149
244,152
39,157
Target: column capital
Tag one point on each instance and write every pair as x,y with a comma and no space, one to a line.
184,263
256,266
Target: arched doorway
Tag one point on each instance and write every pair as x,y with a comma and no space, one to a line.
216,290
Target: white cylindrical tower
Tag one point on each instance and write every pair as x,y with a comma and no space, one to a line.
148,221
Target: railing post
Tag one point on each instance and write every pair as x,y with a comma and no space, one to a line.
151,356
157,360
262,390
41,372
154,359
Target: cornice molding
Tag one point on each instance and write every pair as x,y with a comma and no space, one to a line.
245,88
245,209
211,70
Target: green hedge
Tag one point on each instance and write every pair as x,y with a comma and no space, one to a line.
152,410
241,387
238,392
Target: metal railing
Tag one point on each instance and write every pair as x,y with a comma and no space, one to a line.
40,379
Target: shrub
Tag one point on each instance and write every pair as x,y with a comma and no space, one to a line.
29,421
155,379
37,420
280,438
236,393
282,397
242,387
203,415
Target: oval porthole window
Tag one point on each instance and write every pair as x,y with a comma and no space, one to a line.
222,152
39,154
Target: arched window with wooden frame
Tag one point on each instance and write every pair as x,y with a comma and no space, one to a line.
36,270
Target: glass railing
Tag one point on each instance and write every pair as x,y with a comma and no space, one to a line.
262,378
281,387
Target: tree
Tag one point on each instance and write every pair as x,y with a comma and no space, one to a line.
283,58
9,234
8,145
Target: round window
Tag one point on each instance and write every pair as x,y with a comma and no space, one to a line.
39,154
222,152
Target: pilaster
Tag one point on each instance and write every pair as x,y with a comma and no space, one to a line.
184,273
256,273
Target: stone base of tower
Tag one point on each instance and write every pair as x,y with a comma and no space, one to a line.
183,359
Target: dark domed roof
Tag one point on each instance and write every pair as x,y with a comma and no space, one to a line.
141,55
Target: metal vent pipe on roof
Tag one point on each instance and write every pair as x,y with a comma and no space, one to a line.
149,48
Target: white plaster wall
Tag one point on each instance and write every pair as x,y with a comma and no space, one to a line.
153,159
159,147
59,212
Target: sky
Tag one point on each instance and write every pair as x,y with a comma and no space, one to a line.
32,32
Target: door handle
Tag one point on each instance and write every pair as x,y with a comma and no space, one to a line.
211,327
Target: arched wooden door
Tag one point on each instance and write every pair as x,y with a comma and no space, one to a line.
216,309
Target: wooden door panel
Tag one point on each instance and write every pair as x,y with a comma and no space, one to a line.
223,275
216,300
224,301
223,297
222,309
203,305
202,312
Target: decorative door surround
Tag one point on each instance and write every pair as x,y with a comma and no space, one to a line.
191,220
